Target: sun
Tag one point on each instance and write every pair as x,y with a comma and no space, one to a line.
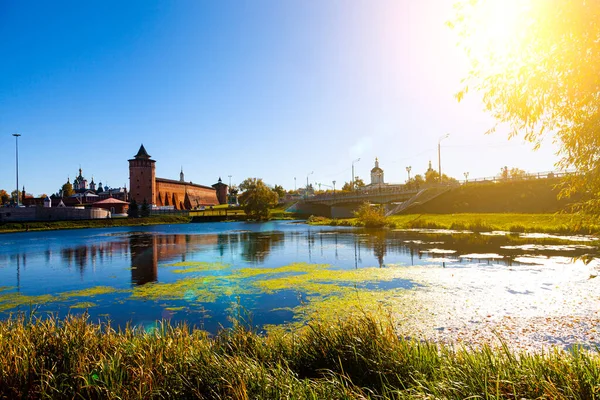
498,30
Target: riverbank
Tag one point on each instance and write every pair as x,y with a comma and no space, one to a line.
209,215
476,222
353,359
12,227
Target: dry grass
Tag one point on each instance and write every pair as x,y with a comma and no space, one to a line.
359,358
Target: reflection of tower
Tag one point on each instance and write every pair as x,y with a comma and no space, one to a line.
144,259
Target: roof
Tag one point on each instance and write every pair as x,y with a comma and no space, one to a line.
376,169
183,183
142,153
111,200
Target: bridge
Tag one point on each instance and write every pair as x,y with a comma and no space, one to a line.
376,195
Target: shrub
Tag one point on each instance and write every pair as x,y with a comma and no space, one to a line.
371,216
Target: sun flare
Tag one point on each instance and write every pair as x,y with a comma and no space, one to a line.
500,28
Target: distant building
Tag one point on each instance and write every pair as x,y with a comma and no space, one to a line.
376,174
161,192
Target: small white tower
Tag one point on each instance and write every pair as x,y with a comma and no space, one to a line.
47,202
376,174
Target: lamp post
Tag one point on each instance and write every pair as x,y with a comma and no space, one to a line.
466,177
294,184
16,135
355,161
440,154
408,170
333,188
307,175
229,179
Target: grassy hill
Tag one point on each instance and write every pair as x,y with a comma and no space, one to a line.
525,196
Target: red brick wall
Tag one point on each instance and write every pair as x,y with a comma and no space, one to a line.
174,194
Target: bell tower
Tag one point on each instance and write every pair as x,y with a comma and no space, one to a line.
142,178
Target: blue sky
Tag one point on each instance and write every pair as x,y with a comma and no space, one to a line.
264,88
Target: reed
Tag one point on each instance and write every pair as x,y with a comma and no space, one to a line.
358,358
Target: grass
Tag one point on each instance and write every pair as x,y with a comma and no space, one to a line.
232,214
9,227
359,358
510,222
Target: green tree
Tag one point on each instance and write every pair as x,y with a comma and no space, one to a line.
358,183
4,197
542,77
133,210
418,179
15,193
279,190
517,173
145,209
432,176
257,198
371,216
67,189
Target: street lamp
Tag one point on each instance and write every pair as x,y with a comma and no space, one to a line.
295,184
16,135
408,170
355,161
466,177
439,154
307,175
229,179
333,188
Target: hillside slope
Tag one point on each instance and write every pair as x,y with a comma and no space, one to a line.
525,196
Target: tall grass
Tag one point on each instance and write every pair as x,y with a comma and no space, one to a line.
354,359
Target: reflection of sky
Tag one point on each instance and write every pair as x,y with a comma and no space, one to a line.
60,261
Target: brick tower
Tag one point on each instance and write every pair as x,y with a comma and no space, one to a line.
142,178
221,189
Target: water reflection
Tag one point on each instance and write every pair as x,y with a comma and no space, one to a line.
144,258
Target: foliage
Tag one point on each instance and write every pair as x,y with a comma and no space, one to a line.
67,189
357,358
133,210
279,190
257,198
145,209
542,78
4,197
371,216
358,183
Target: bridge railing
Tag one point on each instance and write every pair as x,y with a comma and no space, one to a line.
392,189
365,193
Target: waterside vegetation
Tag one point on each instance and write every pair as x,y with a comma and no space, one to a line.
9,227
354,359
476,222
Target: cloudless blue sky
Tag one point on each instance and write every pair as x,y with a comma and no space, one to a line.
262,88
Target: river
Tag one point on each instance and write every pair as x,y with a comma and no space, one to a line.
458,287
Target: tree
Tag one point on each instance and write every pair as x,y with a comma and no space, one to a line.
517,173
145,209
358,183
67,189
542,76
132,211
14,193
279,190
432,176
4,197
257,198
371,216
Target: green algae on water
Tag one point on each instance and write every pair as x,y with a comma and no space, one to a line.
83,304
